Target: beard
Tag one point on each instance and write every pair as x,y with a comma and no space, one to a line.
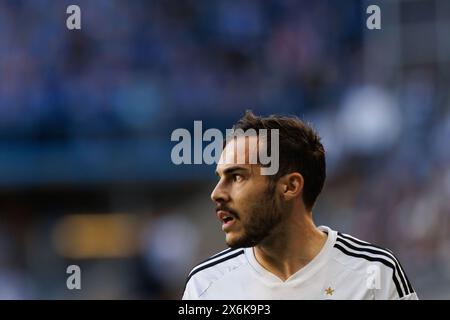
262,219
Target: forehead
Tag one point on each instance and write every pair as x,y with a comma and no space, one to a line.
242,151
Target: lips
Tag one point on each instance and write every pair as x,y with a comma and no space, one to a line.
224,215
227,219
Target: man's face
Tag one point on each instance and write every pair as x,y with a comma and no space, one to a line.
246,201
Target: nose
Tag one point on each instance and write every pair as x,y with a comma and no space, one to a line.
220,194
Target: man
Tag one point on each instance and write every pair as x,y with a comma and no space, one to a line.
276,251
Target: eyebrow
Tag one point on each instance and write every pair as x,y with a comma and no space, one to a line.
233,169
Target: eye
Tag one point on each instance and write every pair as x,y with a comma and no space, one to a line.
237,178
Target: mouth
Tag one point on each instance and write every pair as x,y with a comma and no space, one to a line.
227,218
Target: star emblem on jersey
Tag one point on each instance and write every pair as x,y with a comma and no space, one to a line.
329,291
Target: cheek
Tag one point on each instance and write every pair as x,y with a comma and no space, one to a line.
249,194
247,202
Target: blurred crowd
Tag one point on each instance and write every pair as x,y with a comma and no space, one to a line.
140,69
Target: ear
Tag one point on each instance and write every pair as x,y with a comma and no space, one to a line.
292,185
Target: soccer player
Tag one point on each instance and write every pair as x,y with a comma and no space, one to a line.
275,249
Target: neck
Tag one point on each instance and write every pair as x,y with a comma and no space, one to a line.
291,246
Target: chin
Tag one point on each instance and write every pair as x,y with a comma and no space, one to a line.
233,241
236,242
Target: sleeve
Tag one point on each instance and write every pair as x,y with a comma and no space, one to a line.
195,288
189,293
411,296
394,284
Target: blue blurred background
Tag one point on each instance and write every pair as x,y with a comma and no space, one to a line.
86,116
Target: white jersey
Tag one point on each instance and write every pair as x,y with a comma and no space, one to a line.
345,268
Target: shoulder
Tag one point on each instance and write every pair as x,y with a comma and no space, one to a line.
212,269
379,266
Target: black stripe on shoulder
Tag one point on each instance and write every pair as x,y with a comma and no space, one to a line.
392,255
213,263
383,253
217,255
369,258
363,243
411,289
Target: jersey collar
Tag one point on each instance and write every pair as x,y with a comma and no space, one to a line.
305,273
